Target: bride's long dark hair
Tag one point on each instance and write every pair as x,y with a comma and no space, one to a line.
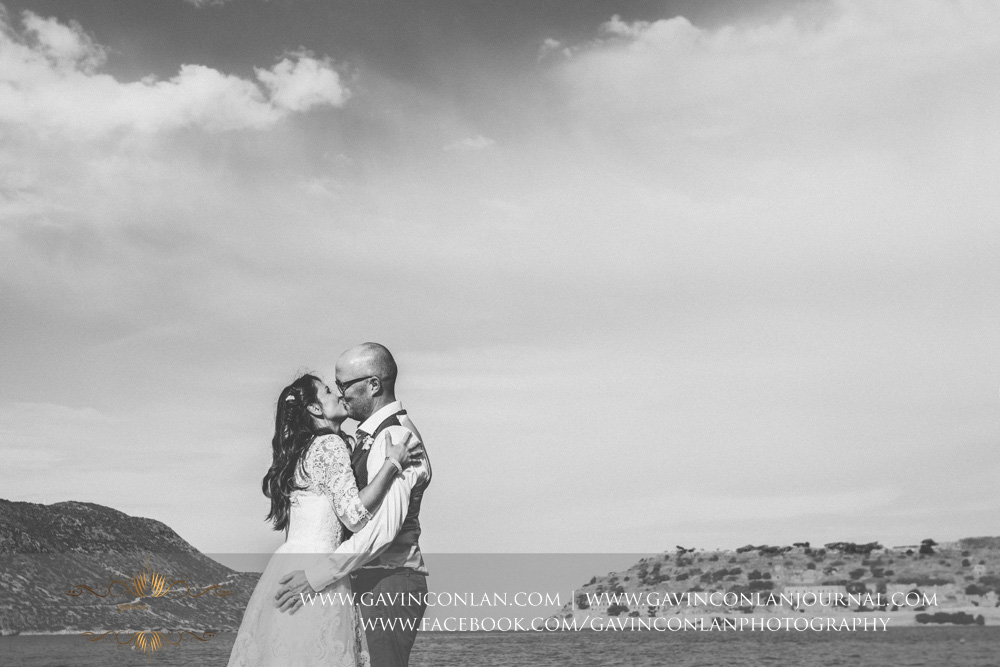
294,430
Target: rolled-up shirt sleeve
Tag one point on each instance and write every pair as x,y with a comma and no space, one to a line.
367,543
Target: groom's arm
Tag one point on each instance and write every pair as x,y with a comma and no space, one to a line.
367,543
364,545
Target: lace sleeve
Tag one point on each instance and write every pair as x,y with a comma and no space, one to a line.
331,470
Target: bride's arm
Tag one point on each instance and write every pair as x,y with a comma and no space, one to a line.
332,465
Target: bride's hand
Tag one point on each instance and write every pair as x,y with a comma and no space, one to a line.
406,452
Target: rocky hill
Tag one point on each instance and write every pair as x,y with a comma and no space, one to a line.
47,551
960,575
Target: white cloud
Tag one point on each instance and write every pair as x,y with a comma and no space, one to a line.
549,46
300,84
30,415
860,59
636,29
207,3
325,186
839,139
49,82
39,435
67,46
476,143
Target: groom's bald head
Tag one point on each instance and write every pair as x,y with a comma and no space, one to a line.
370,359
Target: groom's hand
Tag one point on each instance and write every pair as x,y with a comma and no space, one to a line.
295,585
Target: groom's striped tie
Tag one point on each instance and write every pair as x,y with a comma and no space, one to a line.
359,457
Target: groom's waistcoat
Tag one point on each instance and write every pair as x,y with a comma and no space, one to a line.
359,457
404,551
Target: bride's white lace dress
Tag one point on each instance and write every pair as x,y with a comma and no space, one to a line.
318,634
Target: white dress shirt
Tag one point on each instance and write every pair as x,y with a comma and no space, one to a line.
374,543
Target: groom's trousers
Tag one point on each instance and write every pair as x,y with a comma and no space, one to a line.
396,601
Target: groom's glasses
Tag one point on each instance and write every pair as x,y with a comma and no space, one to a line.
342,386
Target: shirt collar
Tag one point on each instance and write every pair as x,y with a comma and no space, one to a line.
371,424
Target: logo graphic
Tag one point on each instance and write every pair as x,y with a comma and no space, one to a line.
149,583
148,642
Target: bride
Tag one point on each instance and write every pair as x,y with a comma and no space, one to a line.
314,498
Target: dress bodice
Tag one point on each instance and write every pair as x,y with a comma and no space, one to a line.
313,524
328,500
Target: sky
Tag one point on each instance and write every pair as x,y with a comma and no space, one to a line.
654,273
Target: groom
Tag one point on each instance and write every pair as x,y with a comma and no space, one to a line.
392,585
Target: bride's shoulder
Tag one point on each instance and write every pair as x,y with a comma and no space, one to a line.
327,444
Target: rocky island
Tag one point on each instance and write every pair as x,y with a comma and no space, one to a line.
925,583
